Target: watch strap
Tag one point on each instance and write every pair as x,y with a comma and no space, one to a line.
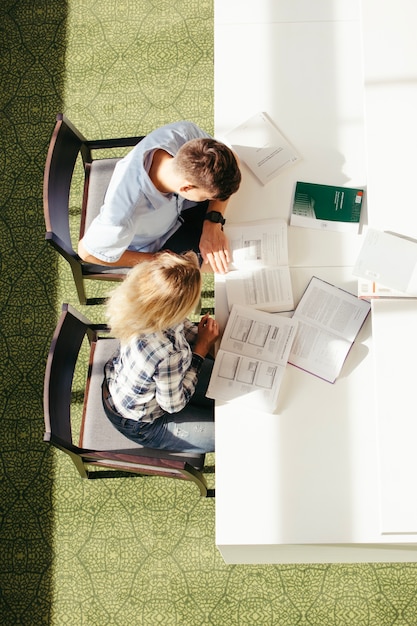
216,217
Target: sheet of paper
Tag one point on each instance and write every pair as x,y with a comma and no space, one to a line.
267,289
259,276
258,243
318,352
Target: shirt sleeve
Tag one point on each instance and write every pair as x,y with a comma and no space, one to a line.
190,331
108,241
113,230
176,380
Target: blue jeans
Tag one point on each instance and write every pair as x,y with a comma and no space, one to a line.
189,430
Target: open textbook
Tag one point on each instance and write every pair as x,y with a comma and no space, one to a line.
388,259
252,358
259,274
329,320
260,145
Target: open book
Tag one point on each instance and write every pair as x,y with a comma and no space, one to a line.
252,358
329,320
259,274
261,146
326,207
388,259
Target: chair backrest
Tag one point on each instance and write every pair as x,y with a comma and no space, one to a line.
107,448
66,343
65,146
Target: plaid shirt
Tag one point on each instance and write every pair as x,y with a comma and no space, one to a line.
154,374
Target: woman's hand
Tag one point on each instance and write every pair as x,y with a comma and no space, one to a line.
208,331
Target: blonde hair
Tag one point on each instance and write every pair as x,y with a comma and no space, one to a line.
156,294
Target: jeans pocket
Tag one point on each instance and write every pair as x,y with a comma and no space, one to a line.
130,427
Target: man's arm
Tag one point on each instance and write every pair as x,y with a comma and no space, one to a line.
129,258
214,245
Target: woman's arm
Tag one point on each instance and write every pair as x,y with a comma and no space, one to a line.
176,383
176,378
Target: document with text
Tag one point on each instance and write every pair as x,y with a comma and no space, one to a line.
251,362
259,274
329,320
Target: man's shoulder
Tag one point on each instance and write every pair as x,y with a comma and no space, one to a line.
169,137
184,130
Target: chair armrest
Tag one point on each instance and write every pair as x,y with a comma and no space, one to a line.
119,142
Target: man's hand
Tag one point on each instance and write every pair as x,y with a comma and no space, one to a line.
214,247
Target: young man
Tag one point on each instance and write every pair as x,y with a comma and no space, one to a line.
170,192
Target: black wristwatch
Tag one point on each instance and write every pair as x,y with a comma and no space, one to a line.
216,217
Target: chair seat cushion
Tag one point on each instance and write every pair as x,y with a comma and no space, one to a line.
97,432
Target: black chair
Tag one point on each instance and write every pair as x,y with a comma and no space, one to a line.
102,451
65,147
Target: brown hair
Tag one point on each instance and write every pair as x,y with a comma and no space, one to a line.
156,294
209,165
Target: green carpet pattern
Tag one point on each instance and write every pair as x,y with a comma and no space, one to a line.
131,551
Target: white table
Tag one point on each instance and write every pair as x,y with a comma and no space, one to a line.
303,484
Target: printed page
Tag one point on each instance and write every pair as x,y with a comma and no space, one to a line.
259,275
255,244
267,289
388,259
332,309
253,354
329,320
260,144
318,352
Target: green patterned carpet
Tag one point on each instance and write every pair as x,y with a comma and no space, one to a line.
132,551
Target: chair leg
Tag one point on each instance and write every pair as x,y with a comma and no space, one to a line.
80,286
92,301
78,462
79,282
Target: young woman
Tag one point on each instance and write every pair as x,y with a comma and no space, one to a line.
155,384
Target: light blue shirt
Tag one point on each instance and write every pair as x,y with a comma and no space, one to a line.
135,215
